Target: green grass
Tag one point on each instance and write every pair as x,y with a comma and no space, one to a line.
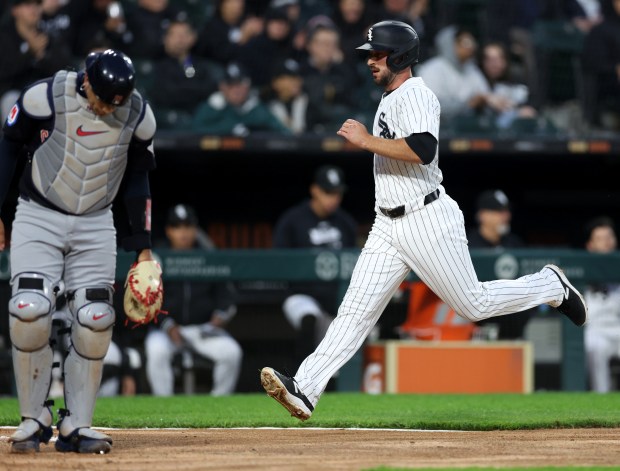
408,411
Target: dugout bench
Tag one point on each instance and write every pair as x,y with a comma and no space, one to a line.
303,265
272,266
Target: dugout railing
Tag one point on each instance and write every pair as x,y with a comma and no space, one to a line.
581,267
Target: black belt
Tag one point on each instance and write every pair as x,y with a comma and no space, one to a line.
400,210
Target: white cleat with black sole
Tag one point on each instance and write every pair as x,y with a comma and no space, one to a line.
573,306
284,389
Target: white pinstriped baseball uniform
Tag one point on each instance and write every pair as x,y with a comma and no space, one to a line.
428,239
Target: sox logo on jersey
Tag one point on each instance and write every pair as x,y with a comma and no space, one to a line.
411,108
385,130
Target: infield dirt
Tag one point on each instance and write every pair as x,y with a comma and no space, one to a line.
303,449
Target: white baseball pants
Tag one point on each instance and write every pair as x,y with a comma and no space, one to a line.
223,350
601,345
432,242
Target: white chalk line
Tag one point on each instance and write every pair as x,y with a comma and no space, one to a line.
4,438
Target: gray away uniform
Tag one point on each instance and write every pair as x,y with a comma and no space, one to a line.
63,230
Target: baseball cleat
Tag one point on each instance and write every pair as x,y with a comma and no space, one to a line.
573,306
84,440
284,389
28,436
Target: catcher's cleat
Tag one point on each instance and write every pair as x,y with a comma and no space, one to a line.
29,435
573,306
84,440
284,389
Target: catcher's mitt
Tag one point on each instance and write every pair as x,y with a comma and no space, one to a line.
144,292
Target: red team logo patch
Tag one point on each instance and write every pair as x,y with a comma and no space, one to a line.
12,117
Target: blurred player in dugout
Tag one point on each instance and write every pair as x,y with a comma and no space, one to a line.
198,312
494,231
602,334
318,222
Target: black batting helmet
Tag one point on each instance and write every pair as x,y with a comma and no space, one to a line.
111,75
397,38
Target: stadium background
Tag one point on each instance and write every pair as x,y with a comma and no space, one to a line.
558,174
561,164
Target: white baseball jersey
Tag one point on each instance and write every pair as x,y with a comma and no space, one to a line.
411,108
602,335
429,239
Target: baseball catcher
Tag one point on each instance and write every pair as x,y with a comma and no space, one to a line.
83,133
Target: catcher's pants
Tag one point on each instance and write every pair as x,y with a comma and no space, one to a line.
432,242
80,250
218,346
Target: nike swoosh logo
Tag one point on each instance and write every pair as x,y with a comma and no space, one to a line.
96,317
567,291
81,132
23,305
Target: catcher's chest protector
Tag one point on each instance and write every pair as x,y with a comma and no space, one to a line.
80,166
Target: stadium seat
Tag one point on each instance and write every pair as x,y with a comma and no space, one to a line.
173,119
198,11
594,109
471,125
558,35
192,373
469,14
557,45
144,75
520,127
429,318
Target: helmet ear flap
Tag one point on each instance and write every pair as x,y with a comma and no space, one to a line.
397,63
400,62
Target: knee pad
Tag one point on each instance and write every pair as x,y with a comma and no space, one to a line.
236,353
93,321
30,308
297,306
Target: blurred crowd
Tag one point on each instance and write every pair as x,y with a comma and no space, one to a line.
289,66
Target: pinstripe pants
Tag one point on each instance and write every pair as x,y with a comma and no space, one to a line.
432,242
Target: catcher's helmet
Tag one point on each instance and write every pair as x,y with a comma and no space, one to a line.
112,76
397,38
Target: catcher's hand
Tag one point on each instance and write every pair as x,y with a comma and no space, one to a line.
144,292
